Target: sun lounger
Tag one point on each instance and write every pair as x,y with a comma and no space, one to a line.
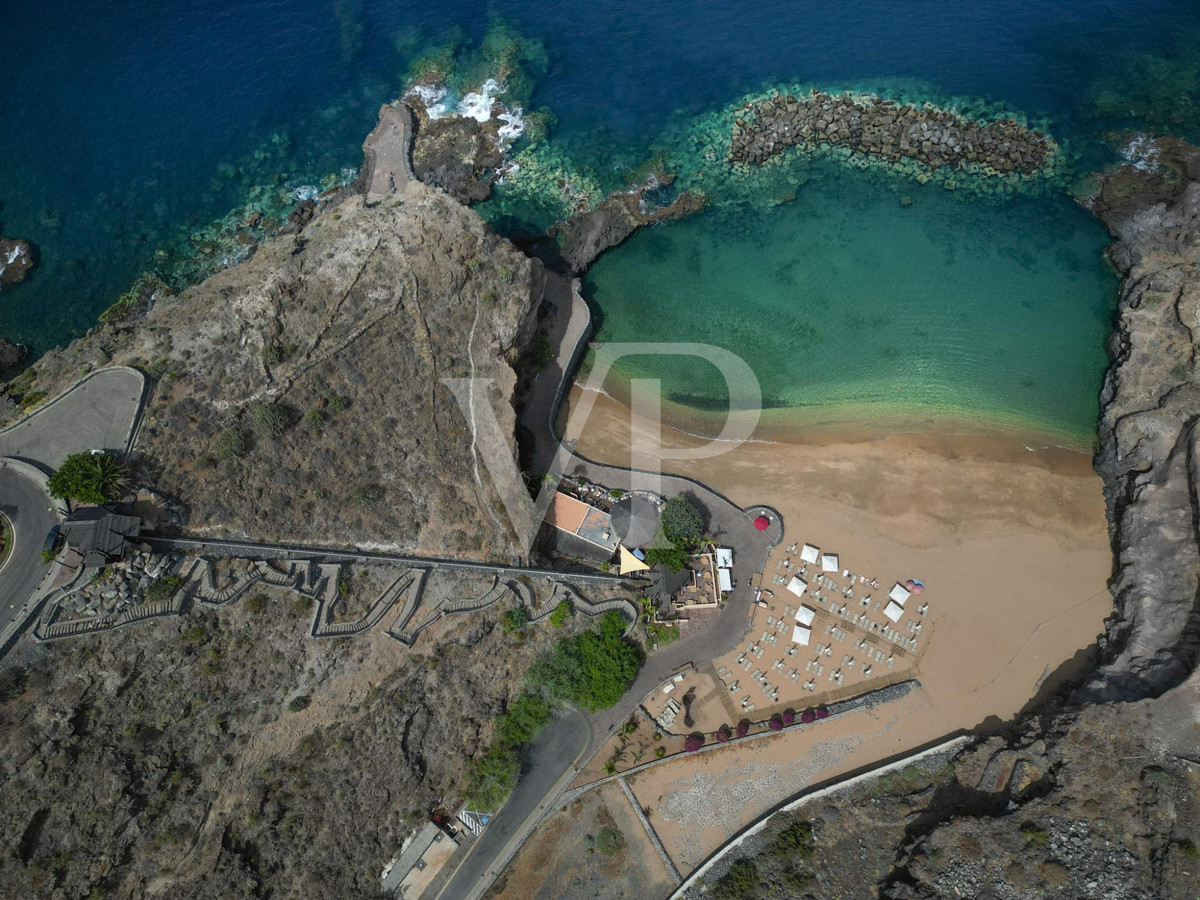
733,687
867,670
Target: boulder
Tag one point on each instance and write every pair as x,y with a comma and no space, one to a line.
16,261
10,354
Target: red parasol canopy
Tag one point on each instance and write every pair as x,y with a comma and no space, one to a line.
762,523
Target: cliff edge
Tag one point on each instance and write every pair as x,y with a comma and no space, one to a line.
1147,433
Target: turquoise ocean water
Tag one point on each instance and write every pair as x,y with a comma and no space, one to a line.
131,127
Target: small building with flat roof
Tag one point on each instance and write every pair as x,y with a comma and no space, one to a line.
581,529
99,535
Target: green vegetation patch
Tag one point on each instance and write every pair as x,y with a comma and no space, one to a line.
89,478
592,669
163,588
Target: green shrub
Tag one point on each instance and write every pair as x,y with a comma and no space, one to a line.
795,840
89,478
1035,834
257,603
592,669
267,420
272,354
681,521
314,419
338,402
230,444
610,841
515,619
163,588
368,494
32,399
660,752
674,558
298,703
561,613
741,878
301,606
493,775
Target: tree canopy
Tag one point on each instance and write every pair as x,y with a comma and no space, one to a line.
681,521
592,669
89,478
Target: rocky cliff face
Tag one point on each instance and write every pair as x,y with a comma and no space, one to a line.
1148,437
299,395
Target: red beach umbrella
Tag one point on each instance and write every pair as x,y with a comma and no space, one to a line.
762,523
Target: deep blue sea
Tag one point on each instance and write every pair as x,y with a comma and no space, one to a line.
126,127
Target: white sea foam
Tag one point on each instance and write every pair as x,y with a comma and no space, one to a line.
513,127
306,192
432,97
1141,153
478,104
13,255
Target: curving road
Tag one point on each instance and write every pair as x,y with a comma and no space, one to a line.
550,766
99,413
27,507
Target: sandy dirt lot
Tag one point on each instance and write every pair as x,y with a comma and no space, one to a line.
565,860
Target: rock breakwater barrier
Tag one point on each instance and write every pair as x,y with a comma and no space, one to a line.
884,128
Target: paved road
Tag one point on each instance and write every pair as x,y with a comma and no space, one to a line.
99,413
551,761
26,505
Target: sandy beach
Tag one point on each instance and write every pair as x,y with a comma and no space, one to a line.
1012,543
1012,546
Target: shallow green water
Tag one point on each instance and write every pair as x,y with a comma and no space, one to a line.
854,305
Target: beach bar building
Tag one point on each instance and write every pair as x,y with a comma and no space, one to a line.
581,529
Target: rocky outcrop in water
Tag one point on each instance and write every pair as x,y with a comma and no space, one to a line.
883,128
16,261
1148,433
587,234
10,354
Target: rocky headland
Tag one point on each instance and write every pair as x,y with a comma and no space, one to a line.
883,128
458,154
299,395
16,261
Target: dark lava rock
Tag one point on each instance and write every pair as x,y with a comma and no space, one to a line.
10,354
586,235
458,155
16,261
